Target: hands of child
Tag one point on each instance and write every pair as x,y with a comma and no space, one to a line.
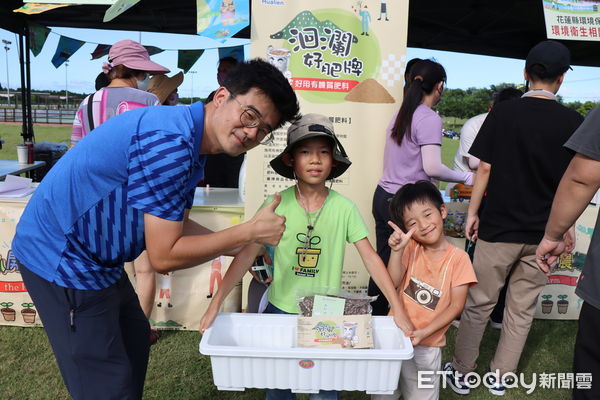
417,336
265,254
209,316
398,239
267,226
255,276
404,323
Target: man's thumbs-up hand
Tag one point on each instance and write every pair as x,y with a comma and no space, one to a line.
267,226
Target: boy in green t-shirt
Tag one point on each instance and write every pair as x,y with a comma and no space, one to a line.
319,223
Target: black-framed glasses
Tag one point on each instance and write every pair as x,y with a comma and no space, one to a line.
251,119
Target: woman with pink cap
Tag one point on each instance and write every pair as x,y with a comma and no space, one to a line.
128,69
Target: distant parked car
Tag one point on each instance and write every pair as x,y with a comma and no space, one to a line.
450,134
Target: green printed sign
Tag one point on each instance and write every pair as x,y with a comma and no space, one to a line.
326,57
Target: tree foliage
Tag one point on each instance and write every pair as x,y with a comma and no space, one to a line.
581,108
466,103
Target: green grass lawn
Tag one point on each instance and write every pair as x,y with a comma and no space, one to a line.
11,134
449,147
177,371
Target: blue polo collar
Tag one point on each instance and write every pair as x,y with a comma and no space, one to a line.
197,111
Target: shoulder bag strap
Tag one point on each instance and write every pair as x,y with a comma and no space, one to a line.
90,111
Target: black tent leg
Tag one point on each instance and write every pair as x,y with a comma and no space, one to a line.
23,91
30,135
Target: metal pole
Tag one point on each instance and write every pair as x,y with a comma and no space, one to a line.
192,94
30,134
6,44
23,94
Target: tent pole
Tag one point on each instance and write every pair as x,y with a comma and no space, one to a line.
23,96
30,134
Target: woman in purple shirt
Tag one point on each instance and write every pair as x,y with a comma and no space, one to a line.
413,152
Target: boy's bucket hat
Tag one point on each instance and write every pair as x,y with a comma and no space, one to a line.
135,56
306,127
162,86
553,56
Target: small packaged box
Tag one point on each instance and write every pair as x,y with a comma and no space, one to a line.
336,332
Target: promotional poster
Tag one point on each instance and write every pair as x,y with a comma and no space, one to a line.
345,60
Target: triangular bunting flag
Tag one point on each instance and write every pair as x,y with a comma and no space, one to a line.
37,37
100,51
65,49
236,52
37,8
187,58
152,50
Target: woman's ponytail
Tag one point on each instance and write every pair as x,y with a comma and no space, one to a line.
424,76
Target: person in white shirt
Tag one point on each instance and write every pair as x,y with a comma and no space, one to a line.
463,161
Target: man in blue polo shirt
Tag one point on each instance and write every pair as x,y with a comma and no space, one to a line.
126,187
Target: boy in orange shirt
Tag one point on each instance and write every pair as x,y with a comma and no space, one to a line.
432,277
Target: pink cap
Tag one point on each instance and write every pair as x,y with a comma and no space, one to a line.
135,56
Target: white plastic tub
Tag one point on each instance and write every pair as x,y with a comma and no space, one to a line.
259,351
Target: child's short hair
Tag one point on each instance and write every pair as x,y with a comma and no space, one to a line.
407,195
